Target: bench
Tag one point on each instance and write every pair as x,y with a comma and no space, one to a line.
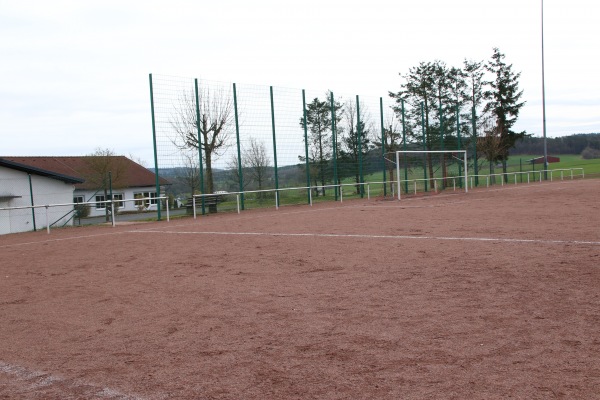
210,202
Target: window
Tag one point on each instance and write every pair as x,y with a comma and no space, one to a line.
118,198
149,199
100,206
78,199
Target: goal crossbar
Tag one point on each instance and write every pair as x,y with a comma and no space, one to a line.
425,152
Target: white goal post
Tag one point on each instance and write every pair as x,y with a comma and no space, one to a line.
425,152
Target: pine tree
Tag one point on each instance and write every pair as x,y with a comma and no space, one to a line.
352,148
474,78
419,89
320,137
504,103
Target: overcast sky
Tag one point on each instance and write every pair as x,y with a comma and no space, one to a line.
74,74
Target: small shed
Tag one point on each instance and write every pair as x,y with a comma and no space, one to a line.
540,160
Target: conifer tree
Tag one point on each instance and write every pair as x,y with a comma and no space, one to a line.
504,103
320,136
352,148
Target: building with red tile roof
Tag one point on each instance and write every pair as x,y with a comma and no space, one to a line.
133,185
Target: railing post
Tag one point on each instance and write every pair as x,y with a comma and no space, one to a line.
112,210
47,220
194,205
398,174
32,202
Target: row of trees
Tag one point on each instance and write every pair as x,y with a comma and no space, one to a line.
433,99
582,144
436,104
352,141
484,95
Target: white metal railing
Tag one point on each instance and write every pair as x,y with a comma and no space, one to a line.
530,175
90,203
571,172
277,191
460,179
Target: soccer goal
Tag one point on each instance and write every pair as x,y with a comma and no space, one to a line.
431,170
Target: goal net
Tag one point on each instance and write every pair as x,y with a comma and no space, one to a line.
431,170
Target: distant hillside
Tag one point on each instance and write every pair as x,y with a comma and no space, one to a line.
573,144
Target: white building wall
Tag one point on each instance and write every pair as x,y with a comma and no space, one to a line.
15,184
128,196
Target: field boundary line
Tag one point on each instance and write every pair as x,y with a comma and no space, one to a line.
362,203
365,236
35,380
61,239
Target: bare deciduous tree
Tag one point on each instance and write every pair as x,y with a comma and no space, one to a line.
215,125
256,166
103,168
256,162
392,137
190,173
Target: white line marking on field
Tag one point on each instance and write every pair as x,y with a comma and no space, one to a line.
479,191
363,236
35,380
60,239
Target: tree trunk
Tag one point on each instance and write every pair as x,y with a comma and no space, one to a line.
106,205
444,171
208,187
430,165
321,163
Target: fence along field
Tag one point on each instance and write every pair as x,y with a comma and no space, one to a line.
271,138
279,146
486,294
226,137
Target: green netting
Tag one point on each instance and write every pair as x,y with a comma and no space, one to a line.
256,139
